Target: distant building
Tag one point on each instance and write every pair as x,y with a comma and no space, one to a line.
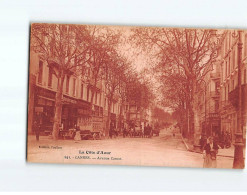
209,102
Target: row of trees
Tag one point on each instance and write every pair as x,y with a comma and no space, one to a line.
92,53
182,58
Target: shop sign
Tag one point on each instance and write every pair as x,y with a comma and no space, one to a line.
69,100
83,103
46,93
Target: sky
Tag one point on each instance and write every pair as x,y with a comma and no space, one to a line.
141,61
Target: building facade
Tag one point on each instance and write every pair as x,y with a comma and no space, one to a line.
229,81
219,104
209,102
76,100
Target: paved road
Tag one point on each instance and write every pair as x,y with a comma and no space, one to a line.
164,150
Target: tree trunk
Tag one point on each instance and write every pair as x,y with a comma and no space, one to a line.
108,118
120,117
187,122
58,108
92,96
196,119
91,108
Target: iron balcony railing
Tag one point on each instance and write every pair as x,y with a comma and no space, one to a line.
225,104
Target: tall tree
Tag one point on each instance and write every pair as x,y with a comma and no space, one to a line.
104,40
192,51
113,71
64,48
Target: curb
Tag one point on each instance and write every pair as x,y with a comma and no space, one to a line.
186,145
191,150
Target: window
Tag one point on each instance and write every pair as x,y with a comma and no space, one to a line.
95,98
226,44
230,39
217,105
88,93
222,49
229,66
245,45
67,84
74,83
233,59
222,78
228,89
245,72
100,99
226,69
81,91
217,86
50,77
40,75
225,93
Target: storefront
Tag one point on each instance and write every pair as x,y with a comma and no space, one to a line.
84,120
69,112
214,124
44,101
75,112
97,119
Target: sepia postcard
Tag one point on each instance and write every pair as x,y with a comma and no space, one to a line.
132,95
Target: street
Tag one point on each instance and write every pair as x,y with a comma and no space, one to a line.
174,78
163,150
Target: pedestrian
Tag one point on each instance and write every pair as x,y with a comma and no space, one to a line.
37,125
151,131
210,154
111,132
36,130
174,131
60,129
77,135
203,141
144,130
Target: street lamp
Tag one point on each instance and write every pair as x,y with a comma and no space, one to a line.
238,162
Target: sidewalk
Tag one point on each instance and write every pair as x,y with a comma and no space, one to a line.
226,152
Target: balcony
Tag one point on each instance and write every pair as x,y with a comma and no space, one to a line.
214,94
233,96
215,75
225,104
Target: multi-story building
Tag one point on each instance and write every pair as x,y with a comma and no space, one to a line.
139,116
228,55
218,104
76,100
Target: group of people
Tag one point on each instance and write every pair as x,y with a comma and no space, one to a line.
144,131
130,130
113,131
